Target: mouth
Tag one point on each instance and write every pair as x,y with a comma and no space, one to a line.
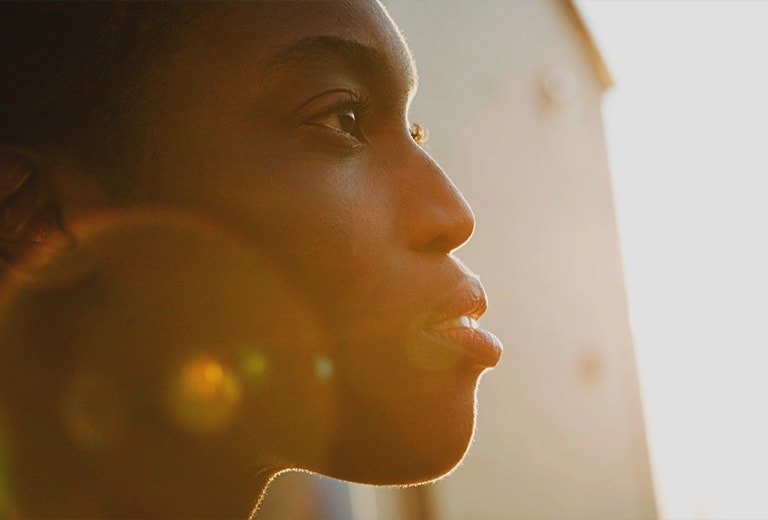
453,323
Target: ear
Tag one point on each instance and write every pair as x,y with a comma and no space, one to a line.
29,209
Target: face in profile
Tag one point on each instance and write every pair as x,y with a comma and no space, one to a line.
286,126
295,133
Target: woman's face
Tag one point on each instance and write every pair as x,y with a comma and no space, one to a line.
287,123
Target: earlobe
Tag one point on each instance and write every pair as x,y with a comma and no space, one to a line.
29,211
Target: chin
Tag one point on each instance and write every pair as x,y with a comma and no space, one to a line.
404,441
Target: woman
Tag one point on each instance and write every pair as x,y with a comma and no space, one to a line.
228,256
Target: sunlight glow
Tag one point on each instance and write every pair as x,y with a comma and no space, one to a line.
686,126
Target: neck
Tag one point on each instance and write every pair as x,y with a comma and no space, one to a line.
56,489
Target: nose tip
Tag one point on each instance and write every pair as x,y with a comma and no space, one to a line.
443,220
443,232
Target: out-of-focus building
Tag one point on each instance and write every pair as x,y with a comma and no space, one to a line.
510,92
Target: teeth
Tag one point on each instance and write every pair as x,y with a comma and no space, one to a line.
460,322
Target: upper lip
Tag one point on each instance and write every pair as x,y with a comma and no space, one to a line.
466,299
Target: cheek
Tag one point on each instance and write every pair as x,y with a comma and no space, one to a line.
329,235
210,338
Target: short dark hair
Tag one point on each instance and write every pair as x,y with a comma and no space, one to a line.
68,71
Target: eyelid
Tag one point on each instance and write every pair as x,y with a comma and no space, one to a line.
343,97
338,102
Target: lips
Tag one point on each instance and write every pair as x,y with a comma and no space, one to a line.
453,323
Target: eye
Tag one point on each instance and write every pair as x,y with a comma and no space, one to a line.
344,120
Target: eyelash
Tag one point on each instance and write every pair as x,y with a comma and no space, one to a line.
359,106
418,133
356,105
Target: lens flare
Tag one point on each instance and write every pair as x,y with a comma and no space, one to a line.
324,368
255,366
205,396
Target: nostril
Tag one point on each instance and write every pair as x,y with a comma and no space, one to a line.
450,242
440,244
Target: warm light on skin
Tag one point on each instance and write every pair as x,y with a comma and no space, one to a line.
328,239
686,129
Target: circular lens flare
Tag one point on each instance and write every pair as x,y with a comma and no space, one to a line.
255,366
205,396
324,368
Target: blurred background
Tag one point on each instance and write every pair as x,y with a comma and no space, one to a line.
613,154
687,123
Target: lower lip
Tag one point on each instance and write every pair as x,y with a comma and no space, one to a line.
479,344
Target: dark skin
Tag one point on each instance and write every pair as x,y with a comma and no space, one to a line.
276,133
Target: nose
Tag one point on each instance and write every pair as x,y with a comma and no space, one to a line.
437,218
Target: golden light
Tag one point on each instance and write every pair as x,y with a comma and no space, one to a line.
255,366
205,396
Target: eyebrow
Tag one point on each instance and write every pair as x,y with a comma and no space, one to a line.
369,62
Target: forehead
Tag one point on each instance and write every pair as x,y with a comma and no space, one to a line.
221,85
272,34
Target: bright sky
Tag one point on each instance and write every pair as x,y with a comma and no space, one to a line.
687,130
